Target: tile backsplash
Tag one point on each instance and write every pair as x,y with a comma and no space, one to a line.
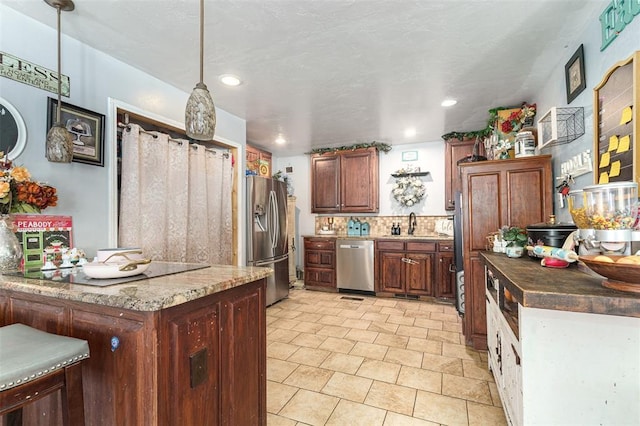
381,225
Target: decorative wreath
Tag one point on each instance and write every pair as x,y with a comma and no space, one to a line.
408,190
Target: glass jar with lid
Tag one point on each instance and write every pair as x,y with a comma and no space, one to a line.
525,144
612,206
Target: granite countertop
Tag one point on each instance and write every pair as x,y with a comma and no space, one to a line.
564,289
151,294
430,237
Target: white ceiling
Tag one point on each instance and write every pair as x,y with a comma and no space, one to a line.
336,72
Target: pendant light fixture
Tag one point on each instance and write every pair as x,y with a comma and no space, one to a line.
200,113
59,142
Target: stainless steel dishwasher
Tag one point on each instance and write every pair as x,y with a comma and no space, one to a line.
354,265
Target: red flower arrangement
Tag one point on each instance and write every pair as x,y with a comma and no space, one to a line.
517,119
19,194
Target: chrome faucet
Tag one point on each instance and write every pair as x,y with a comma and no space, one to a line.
412,223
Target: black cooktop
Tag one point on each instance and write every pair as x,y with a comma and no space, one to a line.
76,276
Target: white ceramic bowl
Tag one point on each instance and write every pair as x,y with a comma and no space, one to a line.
111,270
112,254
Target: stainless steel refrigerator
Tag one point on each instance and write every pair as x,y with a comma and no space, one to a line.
267,233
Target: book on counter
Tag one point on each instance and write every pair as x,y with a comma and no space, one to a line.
42,237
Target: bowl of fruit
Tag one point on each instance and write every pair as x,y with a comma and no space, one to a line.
620,272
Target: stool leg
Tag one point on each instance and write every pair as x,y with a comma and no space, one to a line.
13,418
72,396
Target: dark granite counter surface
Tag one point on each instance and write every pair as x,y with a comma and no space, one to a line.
565,289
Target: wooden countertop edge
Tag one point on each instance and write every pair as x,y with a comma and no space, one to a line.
572,290
148,295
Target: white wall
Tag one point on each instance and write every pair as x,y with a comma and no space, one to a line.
83,190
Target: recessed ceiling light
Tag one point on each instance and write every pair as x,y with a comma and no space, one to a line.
410,132
449,102
280,140
229,80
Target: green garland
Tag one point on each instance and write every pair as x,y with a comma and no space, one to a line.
483,133
377,145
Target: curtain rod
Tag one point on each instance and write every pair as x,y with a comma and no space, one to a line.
178,141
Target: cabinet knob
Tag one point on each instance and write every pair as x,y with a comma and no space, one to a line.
115,343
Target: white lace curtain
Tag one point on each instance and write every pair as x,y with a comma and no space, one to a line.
175,199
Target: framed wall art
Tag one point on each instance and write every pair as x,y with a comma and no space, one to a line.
13,131
574,75
86,128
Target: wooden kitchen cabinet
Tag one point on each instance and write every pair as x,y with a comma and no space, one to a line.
516,192
345,182
445,271
455,150
320,263
200,362
404,267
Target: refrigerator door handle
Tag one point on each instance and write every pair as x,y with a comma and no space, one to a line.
274,219
271,261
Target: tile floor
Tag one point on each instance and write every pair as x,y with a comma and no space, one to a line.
333,360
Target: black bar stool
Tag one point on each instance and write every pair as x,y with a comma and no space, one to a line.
34,364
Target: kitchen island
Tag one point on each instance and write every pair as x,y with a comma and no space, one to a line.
562,348
187,348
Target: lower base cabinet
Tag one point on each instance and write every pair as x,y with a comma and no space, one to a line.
320,264
199,363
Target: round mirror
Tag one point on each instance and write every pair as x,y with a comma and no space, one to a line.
13,132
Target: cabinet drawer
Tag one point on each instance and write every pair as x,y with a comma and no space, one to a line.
320,243
424,246
447,246
390,245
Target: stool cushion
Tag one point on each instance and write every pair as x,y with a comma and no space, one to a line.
27,354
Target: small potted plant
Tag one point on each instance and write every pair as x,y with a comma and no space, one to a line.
516,239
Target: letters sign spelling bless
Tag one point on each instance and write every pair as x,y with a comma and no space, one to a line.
32,74
615,17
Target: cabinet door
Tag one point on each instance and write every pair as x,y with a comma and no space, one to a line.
325,183
446,275
455,150
118,384
359,181
419,274
527,195
391,272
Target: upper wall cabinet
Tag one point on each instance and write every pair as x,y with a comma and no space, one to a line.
258,161
345,182
455,150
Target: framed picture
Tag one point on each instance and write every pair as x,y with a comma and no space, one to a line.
409,155
86,128
574,75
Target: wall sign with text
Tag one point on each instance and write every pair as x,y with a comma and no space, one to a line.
615,17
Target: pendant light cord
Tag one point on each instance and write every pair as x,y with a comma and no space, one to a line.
201,41
59,71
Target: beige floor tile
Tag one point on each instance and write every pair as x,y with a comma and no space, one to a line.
441,316
459,351
392,340
480,415
391,311
374,316
274,420
335,344
310,378
354,414
385,302
349,387
398,399
307,327
450,326
409,305
271,319
331,320
442,364
309,309
441,409
411,331
370,308
344,363
476,370
404,357
418,378
308,407
495,395
428,323
383,327
370,350
379,370
418,314
468,389
333,330
308,340
361,335
432,307
309,356
359,324
281,350
350,313
424,345
278,370
284,323
289,314
484,357
282,335
395,419
278,395
333,311
400,320
444,336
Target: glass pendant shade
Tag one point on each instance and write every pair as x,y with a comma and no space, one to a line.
59,144
200,114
